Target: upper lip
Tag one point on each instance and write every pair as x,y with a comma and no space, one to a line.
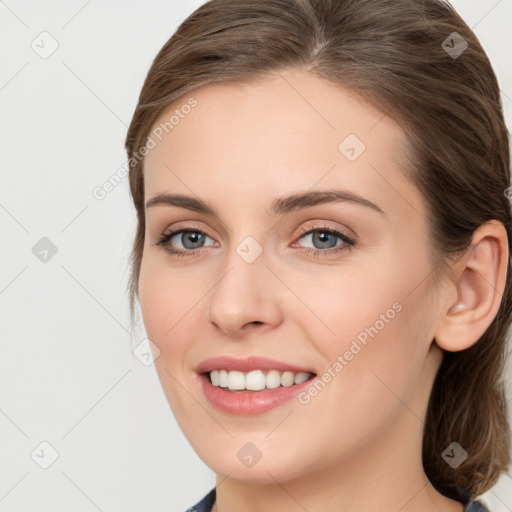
247,364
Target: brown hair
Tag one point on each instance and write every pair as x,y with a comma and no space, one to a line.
391,53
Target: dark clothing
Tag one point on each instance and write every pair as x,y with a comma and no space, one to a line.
206,504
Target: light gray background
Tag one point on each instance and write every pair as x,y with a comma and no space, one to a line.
68,376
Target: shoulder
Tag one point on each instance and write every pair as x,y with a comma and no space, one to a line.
476,506
463,494
206,504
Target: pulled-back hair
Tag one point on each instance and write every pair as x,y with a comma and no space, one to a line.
402,57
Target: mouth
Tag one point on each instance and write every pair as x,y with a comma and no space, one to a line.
252,385
216,385
235,381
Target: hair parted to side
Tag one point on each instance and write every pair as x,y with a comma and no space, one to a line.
390,53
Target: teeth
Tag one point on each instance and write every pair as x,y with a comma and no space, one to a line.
223,379
287,379
236,380
273,379
256,380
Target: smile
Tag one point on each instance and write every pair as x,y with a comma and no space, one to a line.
256,380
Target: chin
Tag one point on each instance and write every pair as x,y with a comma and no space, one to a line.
266,470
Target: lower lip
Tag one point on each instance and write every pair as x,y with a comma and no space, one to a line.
248,403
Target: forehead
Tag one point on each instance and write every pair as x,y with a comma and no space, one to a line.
289,131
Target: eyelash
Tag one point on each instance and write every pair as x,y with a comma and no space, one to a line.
318,253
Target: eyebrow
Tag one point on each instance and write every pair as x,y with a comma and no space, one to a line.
279,205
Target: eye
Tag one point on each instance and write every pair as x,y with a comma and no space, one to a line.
188,241
191,240
326,240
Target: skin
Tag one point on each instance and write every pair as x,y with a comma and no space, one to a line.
356,446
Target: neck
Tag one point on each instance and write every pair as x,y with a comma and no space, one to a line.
372,479
383,472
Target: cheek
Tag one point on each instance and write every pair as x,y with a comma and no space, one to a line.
162,300
161,288
164,306
154,297
375,317
170,301
344,304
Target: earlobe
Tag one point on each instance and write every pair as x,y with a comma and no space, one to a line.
479,286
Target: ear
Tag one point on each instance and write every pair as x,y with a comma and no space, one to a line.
478,287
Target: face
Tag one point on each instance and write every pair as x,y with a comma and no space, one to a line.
336,287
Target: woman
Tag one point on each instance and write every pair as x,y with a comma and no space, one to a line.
322,258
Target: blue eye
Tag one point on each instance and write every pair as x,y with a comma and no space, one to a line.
193,240
326,238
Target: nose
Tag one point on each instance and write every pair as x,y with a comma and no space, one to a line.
247,297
